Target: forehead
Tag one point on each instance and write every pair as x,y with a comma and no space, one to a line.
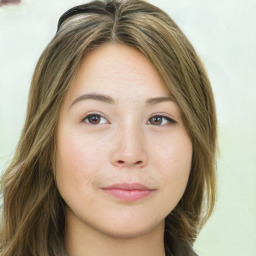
115,68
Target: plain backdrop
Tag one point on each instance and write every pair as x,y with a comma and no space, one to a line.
224,35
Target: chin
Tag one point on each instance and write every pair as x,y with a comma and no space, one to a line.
132,231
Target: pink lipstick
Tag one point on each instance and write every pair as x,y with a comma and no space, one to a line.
129,192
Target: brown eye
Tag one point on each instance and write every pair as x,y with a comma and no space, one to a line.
95,119
160,120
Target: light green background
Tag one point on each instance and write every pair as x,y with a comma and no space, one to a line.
224,34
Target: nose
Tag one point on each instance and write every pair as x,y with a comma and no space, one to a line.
129,149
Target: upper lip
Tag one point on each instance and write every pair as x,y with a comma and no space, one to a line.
129,186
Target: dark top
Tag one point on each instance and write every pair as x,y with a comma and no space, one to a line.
181,248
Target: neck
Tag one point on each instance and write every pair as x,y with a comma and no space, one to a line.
80,241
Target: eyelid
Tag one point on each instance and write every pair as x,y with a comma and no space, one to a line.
94,113
169,118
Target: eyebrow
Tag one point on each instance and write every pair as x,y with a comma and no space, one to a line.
110,100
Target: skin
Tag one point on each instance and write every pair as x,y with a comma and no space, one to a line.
122,143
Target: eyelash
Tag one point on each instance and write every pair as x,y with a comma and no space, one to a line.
169,120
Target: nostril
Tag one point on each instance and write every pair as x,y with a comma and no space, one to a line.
121,162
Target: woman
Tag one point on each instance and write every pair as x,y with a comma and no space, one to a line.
117,154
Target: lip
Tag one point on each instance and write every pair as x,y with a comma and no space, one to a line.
129,192
129,186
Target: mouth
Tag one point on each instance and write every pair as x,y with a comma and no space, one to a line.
129,192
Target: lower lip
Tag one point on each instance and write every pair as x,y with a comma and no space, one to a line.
128,195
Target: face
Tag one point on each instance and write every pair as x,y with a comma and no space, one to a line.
123,154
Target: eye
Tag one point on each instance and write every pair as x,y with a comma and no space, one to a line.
161,120
95,119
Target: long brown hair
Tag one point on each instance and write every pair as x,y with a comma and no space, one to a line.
33,220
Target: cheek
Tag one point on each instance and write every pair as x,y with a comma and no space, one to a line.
173,152
173,162
78,161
